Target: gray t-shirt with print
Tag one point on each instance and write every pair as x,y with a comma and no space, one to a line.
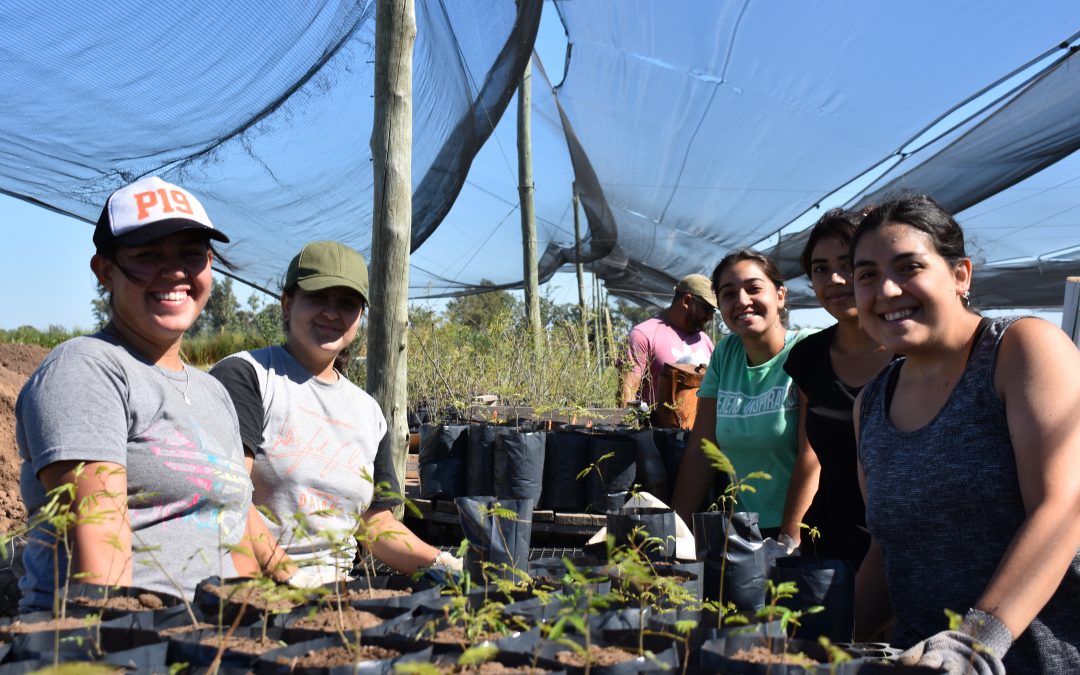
93,400
315,451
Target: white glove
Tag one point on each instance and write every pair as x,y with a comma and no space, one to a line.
976,648
447,561
781,547
314,576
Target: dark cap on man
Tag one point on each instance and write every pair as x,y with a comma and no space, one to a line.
147,210
697,285
326,264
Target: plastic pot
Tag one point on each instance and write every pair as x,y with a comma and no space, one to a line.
501,543
567,455
650,530
519,464
442,456
738,568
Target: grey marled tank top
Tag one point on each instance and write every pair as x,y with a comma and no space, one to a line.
944,503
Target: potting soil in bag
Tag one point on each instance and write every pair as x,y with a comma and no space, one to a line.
650,530
442,460
567,455
480,459
519,464
826,583
500,542
736,572
651,473
613,476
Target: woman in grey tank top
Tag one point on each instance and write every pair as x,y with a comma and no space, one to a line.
967,450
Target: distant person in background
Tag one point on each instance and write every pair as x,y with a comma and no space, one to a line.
316,444
162,489
830,368
747,404
969,447
675,335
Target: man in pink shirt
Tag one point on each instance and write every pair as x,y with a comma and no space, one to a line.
675,335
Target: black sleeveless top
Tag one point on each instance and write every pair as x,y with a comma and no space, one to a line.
837,510
944,503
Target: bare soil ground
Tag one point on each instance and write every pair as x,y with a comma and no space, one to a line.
17,362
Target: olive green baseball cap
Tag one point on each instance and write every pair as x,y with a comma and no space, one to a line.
326,264
699,285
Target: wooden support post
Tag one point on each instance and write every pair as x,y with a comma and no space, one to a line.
609,329
528,210
391,151
579,267
1070,313
598,330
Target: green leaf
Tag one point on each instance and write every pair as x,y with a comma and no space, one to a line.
474,656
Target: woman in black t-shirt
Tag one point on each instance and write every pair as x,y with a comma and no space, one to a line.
830,368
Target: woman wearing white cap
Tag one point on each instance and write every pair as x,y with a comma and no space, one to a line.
148,445
315,443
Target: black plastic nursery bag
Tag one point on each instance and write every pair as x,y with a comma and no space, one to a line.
825,583
737,571
442,460
567,455
651,530
480,459
614,455
651,473
501,542
519,464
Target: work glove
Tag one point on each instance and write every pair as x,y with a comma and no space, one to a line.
314,576
446,561
976,648
781,547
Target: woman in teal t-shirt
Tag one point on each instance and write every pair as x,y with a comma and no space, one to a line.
747,404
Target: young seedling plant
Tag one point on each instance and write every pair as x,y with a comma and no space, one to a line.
726,502
53,524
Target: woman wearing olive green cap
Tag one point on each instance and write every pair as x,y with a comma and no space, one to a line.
315,443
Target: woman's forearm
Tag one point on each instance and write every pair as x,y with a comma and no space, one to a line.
394,543
100,535
873,610
1033,565
260,553
801,491
804,480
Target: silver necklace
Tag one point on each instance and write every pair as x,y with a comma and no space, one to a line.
187,381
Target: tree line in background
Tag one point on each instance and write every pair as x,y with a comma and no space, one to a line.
225,326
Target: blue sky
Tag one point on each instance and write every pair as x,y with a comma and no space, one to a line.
47,272
48,266
48,275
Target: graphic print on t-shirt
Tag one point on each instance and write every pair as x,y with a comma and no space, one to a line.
316,450
209,481
684,353
735,404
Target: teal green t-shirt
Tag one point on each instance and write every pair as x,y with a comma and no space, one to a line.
757,421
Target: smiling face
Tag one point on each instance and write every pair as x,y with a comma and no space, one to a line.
321,324
830,277
157,290
750,302
907,294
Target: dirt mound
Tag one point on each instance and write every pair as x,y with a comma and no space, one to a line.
17,362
